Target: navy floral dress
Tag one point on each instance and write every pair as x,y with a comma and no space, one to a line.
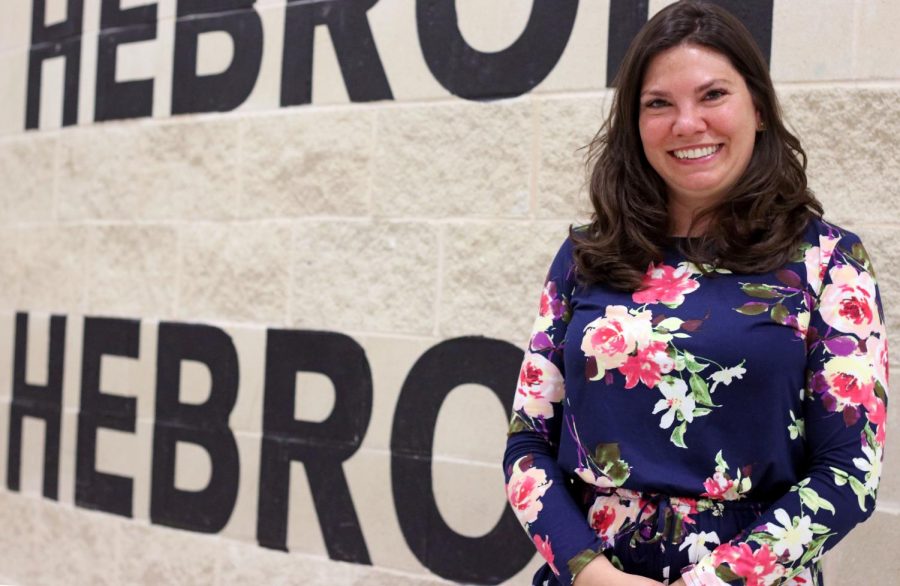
726,427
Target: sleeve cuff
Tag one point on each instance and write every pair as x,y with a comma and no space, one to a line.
700,575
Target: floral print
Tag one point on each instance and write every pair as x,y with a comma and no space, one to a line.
631,403
526,486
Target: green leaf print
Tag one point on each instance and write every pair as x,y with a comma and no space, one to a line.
753,308
678,435
607,453
811,499
726,575
760,291
700,390
780,314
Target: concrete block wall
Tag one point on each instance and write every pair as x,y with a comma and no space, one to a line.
405,225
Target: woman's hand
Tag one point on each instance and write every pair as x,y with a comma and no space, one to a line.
601,572
678,582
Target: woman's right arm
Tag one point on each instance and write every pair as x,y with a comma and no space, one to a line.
535,485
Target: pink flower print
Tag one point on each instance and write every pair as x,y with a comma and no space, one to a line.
540,384
552,305
758,568
665,284
718,486
848,302
611,338
850,381
543,547
524,492
607,515
647,366
876,413
817,259
878,355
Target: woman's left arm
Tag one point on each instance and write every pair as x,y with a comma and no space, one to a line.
844,413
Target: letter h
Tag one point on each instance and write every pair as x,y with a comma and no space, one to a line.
42,402
59,39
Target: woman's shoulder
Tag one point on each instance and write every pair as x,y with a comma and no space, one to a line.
821,232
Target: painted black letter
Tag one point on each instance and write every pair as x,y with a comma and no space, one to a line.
352,39
224,91
504,551
60,39
37,401
97,490
626,17
125,99
322,447
474,75
205,425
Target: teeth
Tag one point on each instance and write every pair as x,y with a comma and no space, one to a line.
696,153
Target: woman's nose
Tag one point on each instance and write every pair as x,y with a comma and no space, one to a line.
689,121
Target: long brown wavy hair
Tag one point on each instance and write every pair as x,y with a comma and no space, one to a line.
754,229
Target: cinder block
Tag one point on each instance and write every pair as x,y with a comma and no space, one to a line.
159,555
566,125
469,496
850,137
876,39
127,170
134,270
889,488
868,555
364,277
9,269
50,267
471,426
307,163
804,53
28,194
493,276
459,159
13,90
234,272
23,553
77,546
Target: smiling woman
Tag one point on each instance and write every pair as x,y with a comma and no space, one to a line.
698,126
703,398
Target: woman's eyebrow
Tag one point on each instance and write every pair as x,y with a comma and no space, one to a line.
700,88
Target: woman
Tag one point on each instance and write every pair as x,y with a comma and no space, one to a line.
718,417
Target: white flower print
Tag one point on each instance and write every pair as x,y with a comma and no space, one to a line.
677,400
791,536
871,465
726,375
696,544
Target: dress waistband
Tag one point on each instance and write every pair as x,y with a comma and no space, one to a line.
671,513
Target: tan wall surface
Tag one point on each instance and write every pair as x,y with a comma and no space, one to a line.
399,223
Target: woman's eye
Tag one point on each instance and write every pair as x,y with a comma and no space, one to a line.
657,103
714,94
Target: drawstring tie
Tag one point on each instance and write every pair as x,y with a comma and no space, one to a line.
663,508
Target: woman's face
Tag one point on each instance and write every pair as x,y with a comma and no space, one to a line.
697,123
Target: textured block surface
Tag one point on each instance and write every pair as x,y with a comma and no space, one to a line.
835,123
566,125
453,160
235,272
126,171
364,276
493,276
27,195
307,163
133,270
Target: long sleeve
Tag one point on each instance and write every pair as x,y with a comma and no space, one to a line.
844,408
536,487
